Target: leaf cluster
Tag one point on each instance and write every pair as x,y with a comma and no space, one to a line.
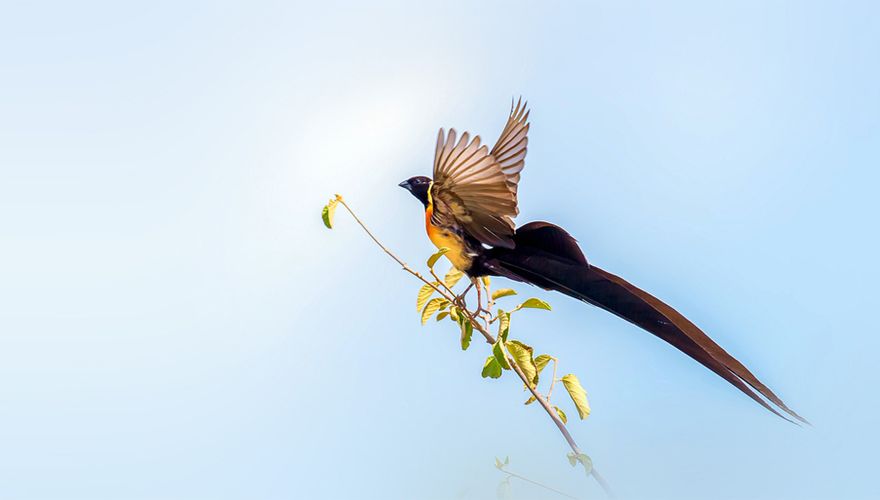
505,352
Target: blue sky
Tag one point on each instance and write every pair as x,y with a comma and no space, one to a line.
175,322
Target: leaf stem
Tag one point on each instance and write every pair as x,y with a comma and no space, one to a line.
491,340
552,380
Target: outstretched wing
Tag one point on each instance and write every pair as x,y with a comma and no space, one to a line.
471,191
475,189
510,150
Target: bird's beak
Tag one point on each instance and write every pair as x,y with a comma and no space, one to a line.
405,185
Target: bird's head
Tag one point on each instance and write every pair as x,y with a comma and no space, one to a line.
418,186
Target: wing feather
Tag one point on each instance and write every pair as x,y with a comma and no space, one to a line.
511,148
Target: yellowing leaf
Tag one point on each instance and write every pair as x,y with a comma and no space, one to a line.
561,414
533,303
442,315
432,307
498,352
503,324
328,212
425,293
541,361
486,281
503,292
522,355
578,395
572,459
452,277
491,368
530,400
433,259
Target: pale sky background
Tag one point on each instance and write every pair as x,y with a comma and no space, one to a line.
176,323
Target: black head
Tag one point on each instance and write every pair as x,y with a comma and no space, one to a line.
418,186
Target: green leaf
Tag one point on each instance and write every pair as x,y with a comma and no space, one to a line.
503,292
498,464
442,315
522,355
530,400
561,414
467,331
586,461
572,459
498,352
328,212
506,460
578,395
541,361
425,293
491,368
452,277
455,314
503,324
432,307
533,303
433,259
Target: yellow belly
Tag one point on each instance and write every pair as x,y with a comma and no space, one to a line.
457,253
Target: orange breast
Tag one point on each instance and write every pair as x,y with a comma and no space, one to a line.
440,237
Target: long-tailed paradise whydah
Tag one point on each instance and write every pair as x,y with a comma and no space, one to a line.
469,208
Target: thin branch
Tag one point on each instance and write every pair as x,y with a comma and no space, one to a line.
403,264
491,340
441,281
554,490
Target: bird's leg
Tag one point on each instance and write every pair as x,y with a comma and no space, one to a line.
475,282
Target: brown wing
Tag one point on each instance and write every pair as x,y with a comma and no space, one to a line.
510,150
476,189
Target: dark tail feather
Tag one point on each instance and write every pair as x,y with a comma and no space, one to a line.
546,256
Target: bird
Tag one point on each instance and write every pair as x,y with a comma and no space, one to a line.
470,203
